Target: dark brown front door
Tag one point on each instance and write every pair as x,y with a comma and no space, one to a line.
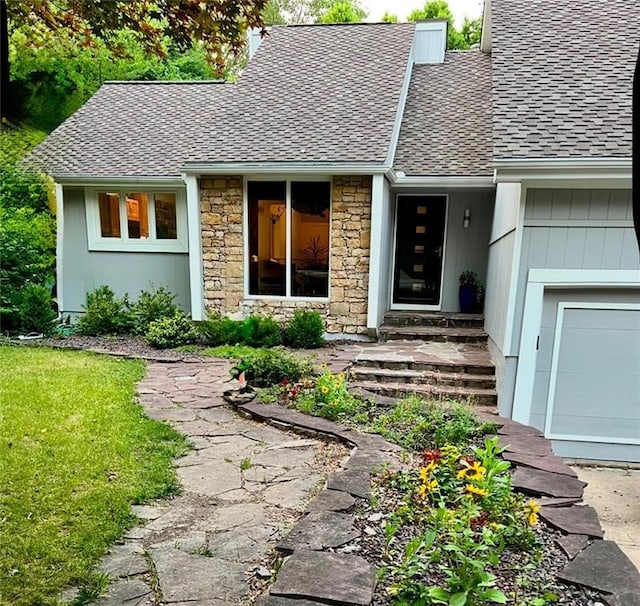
419,247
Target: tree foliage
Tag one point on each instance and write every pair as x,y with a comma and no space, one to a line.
461,39
344,11
158,27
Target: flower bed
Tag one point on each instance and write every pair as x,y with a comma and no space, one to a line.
448,528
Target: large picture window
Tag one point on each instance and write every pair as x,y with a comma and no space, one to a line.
128,219
289,238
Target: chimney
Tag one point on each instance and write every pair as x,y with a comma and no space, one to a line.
255,40
430,41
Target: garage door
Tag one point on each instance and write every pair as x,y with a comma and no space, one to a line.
586,394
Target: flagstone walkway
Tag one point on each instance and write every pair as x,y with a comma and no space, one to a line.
245,484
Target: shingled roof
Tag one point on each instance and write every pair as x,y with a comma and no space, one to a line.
311,94
562,77
131,129
446,128
315,93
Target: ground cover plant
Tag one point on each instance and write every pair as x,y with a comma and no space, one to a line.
75,452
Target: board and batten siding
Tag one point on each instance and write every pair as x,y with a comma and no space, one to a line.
574,229
502,242
124,272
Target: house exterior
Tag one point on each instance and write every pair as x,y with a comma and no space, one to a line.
357,169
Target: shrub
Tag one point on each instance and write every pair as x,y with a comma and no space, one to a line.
172,332
267,367
104,313
36,313
306,329
261,331
151,306
27,244
217,330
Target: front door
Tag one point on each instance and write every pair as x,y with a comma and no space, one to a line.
420,225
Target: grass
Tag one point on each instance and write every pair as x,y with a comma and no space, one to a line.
235,352
75,452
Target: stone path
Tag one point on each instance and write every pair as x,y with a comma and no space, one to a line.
247,487
244,485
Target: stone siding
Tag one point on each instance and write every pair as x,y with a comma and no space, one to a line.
222,241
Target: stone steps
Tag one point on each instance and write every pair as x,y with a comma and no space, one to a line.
425,364
423,377
437,334
474,395
441,319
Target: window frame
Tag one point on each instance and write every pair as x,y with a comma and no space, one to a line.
97,242
246,233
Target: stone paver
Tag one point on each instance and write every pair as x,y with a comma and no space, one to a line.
320,530
332,578
537,482
243,485
576,519
603,566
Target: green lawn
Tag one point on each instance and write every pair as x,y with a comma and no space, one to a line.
75,452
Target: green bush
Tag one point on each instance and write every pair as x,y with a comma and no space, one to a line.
172,332
27,245
261,331
104,313
149,307
217,330
267,367
305,330
36,313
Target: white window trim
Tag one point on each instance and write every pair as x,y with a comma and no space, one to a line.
96,242
245,226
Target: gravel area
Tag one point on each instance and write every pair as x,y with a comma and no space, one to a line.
538,579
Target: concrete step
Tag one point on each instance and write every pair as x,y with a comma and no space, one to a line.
436,334
423,377
482,397
433,318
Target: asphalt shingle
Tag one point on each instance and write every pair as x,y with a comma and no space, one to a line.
314,93
562,77
446,128
131,129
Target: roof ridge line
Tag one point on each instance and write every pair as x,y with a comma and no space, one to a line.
165,82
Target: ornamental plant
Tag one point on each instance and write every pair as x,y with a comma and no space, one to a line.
463,500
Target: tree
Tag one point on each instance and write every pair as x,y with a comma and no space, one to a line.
218,26
439,9
283,12
389,17
343,11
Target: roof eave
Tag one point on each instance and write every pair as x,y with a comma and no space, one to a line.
550,170
289,168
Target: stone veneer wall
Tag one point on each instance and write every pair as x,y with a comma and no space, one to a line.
222,242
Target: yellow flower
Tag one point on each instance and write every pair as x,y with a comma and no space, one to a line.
480,492
471,471
324,389
428,486
532,509
426,470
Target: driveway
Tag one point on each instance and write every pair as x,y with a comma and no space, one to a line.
615,494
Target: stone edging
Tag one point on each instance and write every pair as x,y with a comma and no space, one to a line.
311,576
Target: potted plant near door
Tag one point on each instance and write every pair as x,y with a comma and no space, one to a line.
470,293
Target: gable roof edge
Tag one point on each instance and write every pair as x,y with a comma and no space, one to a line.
402,103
